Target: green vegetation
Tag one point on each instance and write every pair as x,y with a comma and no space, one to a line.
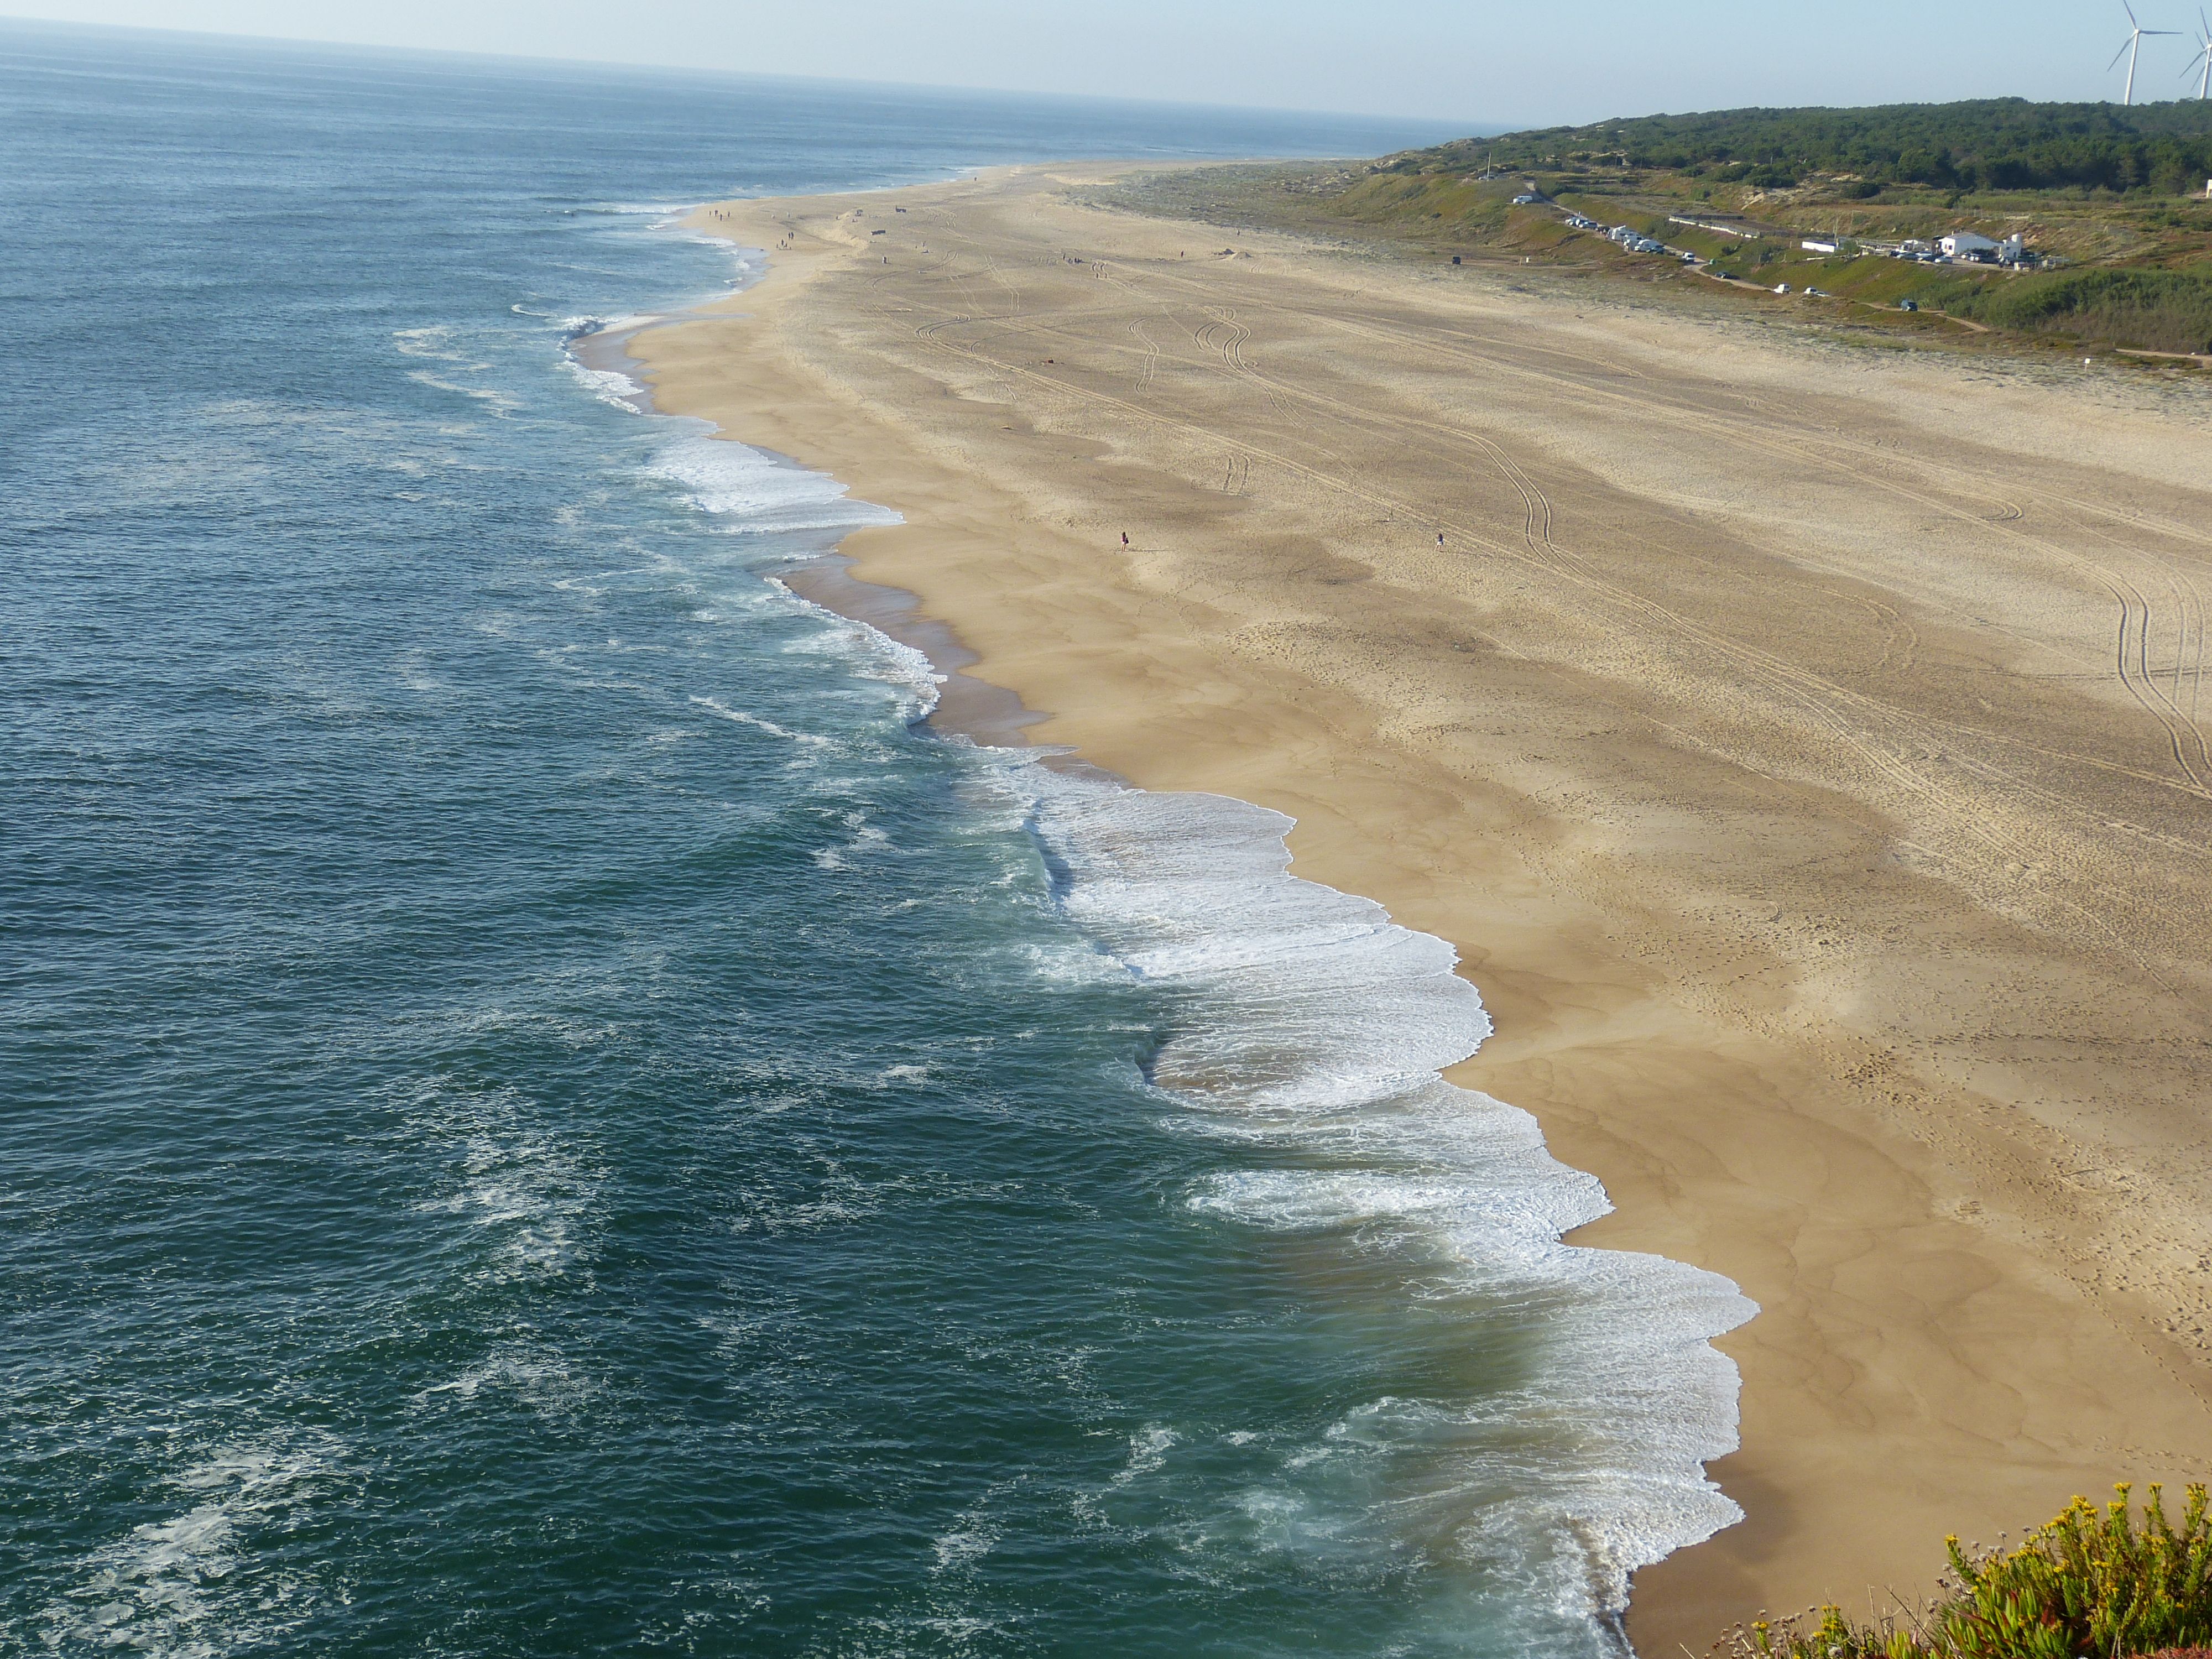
1987,144
2085,1586
2153,310
2110,196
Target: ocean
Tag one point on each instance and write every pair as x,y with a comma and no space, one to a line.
549,1112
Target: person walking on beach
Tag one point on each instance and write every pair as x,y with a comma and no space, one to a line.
1440,539
1125,538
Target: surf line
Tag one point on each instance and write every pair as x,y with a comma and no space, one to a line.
1315,1027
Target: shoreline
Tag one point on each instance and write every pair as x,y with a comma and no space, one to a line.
1588,1106
973,709
967,707
1662,1313
984,713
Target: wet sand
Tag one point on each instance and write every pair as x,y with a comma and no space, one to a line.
1801,745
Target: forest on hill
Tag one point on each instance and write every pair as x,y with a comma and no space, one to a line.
1985,144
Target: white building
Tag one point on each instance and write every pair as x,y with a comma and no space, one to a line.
1967,244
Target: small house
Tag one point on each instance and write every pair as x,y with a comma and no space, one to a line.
1969,244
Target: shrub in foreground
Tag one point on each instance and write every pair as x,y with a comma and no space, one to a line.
2084,1586
2155,310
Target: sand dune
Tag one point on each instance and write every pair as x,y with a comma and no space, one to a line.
1803,745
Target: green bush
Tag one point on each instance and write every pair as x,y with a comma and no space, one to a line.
2085,1586
2154,310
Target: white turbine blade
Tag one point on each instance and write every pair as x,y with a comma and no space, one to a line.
2130,11
2121,54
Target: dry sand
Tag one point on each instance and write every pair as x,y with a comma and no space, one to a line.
1801,745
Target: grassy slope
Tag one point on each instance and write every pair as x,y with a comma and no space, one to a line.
2139,262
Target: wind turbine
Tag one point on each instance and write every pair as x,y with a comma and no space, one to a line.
2130,47
2204,58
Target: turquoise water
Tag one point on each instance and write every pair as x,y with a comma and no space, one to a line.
546,1112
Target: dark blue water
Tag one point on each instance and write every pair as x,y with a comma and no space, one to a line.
544,1115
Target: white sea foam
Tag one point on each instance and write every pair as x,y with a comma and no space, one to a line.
535,1373
528,1192
962,1547
575,328
757,493
739,717
435,342
663,214
974,1533
500,403
867,838
1148,1450
608,386
878,655
202,1582
745,261
1315,1027
438,344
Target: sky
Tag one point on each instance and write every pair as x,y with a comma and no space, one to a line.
1484,64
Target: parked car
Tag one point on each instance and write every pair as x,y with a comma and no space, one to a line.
1908,305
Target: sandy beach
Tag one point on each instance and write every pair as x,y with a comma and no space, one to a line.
1801,745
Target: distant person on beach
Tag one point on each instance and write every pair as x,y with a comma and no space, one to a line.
1440,539
1125,538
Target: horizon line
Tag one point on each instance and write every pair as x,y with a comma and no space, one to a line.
711,73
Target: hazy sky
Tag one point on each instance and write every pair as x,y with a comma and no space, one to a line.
1475,61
